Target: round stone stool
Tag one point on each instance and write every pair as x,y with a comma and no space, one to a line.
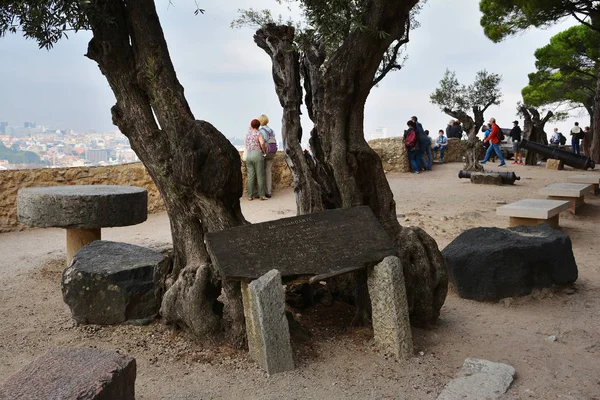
82,210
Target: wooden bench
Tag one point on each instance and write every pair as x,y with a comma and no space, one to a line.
311,248
534,212
591,179
574,193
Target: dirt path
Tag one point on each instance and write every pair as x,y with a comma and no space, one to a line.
337,364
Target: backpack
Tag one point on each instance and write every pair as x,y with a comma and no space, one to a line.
562,139
271,142
500,135
411,138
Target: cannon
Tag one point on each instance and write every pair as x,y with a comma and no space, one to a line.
508,178
570,159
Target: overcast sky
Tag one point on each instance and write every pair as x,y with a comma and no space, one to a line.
228,81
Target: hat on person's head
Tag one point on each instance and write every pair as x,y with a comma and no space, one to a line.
516,122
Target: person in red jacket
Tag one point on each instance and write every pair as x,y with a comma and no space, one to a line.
494,144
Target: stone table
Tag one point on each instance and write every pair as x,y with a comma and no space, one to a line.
534,212
590,179
82,210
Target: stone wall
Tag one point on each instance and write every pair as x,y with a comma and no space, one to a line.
392,152
395,157
126,174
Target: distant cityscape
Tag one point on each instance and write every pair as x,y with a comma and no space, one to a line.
32,145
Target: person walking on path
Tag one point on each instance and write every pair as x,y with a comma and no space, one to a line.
424,141
575,136
440,144
493,139
411,141
515,135
255,160
270,151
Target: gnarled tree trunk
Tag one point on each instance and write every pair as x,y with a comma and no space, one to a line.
196,169
533,130
348,170
471,127
595,116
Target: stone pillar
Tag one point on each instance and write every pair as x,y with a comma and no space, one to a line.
391,324
266,324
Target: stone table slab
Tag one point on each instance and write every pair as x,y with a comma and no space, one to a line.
82,206
591,179
533,208
564,189
328,242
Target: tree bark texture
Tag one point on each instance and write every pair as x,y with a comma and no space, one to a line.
533,130
474,144
595,145
196,169
349,172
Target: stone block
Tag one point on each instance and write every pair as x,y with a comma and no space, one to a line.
74,373
479,379
558,165
391,325
533,208
266,323
489,264
564,189
486,179
110,283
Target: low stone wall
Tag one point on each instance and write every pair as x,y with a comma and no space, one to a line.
395,157
392,152
134,174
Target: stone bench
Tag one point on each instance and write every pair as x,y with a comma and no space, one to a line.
311,248
591,179
82,210
574,193
534,212
74,373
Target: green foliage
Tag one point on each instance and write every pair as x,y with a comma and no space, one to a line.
18,157
565,75
482,93
503,18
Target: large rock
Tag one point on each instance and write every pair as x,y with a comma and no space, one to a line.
479,379
70,373
110,283
488,264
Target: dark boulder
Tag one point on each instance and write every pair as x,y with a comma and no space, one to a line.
110,283
488,264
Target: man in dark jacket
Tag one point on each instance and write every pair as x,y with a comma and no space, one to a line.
457,132
424,142
515,135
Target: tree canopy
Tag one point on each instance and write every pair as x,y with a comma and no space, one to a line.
565,76
503,18
482,93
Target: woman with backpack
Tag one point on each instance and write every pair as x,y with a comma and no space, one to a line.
255,160
270,151
411,141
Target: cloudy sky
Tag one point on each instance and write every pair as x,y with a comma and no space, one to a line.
228,80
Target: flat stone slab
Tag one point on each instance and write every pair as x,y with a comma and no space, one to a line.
564,189
586,179
74,373
82,206
110,283
479,380
533,208
308,245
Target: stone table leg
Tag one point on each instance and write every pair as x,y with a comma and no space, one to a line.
266,324
77,238
391,325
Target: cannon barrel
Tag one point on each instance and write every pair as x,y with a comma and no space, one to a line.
508,178
570,159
